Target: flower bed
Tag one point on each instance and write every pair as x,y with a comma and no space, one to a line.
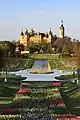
10,117
10,111
23,91
56,83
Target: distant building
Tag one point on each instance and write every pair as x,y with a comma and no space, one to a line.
62,30
24,38
32,36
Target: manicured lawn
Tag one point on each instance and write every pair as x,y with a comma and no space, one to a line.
7,92
38,83
56,62
44,56
42,99
70,93
25,63
6,100
8,89
11,77
65,77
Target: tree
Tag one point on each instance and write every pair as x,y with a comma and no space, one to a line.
32,47
12,46
49,49
78,60
38,47
46,47
7,47
65,49
1,59
21,46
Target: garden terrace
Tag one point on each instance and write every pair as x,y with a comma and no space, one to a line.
40,84
40,102
48,117
56,62
70,93
66,77
8,89
12,111
10,117
23,91
65,117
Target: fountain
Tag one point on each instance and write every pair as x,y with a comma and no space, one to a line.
41,67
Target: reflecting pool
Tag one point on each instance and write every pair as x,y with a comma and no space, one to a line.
40,77
41,66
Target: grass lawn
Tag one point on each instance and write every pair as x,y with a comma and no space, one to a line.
7,92
44,56
11,77
26,63
65,77
8,89
70,93
56,62
6,100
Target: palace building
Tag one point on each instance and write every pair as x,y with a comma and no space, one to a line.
62,30
32,36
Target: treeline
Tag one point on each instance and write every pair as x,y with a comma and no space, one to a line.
65,46
57,45
7,51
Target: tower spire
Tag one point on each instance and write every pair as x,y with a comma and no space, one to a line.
62,22
22,32
26,31
62,30
50,32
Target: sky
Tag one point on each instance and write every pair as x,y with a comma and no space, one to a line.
40,15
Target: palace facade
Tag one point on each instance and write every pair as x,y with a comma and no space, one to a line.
32,36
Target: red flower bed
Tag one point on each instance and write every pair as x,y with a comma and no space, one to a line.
2,107
10,111
56,83
65,117
56,102
24,91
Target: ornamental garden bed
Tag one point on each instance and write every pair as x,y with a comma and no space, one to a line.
70,93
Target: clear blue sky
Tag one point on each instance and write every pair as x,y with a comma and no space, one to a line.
40,15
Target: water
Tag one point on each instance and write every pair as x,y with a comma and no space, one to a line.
41,66
40,77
